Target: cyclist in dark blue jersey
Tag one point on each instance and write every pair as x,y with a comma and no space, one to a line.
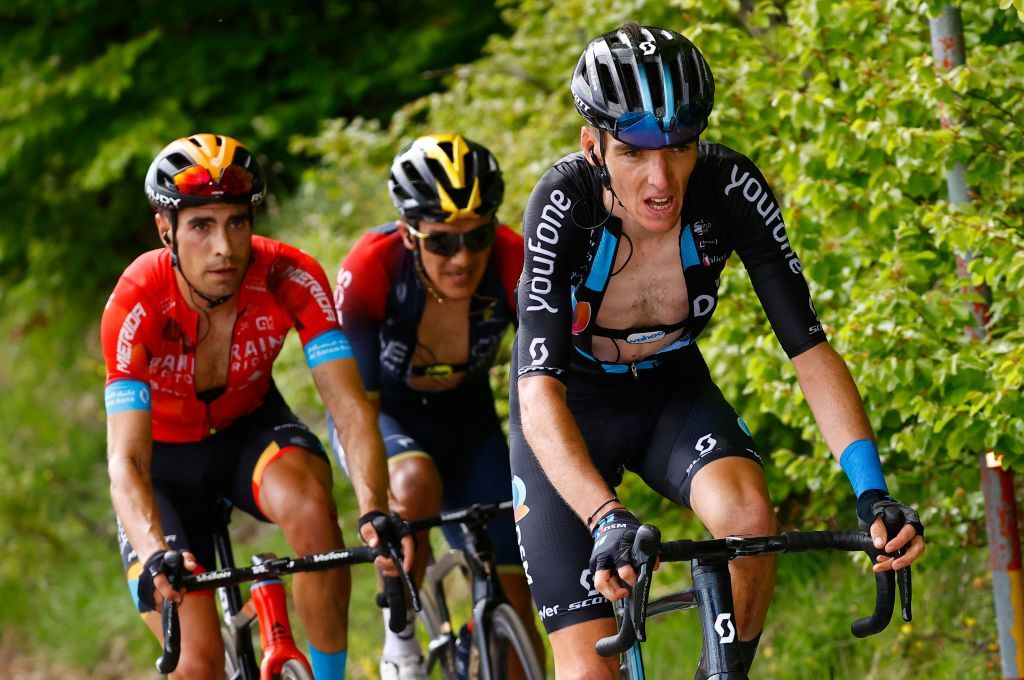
425,302
625,244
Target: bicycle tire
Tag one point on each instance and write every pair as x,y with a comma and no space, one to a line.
508,636
430,617
293,670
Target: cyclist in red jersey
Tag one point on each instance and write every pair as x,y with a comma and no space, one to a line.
190,335
425,302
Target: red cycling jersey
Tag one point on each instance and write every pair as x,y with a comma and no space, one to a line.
149,336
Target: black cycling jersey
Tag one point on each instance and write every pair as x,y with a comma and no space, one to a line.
571,244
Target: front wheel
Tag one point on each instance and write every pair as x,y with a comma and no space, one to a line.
293,670
508,643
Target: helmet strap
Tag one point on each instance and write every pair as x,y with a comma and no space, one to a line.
602,169
434,293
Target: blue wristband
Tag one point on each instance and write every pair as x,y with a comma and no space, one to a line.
863,468
327,346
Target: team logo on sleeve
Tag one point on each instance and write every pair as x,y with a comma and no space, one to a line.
127,334
538,352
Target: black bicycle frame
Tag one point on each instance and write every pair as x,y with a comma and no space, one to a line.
712,589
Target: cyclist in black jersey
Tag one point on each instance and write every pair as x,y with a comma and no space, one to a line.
625,243
425,302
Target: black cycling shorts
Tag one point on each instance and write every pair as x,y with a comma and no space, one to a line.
189,478
460,432
664,425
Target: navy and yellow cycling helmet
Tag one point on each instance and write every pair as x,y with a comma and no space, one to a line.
649,87
445,177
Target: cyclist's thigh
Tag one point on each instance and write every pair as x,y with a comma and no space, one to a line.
554,545
697,426
573,649
477,471
269,434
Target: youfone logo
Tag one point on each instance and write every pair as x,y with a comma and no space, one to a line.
725,628
540,262
762,197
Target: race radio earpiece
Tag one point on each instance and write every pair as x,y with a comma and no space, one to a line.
602,171
165,238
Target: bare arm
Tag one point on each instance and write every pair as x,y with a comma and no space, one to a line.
833,397
555,439
129,452
837,407
355,418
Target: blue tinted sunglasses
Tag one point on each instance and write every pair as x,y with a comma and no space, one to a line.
642,130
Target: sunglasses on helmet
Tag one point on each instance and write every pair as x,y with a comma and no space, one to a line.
642,129
448,243
196,180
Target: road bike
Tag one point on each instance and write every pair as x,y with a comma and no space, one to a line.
498,634
711,593
280,658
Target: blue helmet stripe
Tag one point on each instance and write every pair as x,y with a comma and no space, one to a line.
645,88
670,97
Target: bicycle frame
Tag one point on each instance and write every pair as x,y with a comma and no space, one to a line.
712,592
476,562
268,604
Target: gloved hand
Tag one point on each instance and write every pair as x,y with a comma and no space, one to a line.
613,540
872,503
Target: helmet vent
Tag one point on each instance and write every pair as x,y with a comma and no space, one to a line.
656,87
630,88
607,84
179,160
195,142
447,148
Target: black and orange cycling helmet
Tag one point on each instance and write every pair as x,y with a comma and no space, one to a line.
445,177
649,87
204,169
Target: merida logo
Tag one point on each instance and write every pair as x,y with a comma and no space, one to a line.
541,262
762,200
127,334
309,282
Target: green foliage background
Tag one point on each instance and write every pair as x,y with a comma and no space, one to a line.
837,102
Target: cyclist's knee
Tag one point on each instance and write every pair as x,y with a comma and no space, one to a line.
310,516
416,486
730,496
200,666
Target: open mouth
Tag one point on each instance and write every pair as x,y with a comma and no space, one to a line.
660,203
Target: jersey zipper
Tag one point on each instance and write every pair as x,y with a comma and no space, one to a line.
636,374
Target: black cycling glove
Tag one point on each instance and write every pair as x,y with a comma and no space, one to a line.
872,503
613,540
150,570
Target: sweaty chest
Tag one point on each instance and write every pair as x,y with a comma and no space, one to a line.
648,287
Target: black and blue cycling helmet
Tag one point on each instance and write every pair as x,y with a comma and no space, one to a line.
649,87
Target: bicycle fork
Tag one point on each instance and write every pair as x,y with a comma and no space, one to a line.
276,639
713,589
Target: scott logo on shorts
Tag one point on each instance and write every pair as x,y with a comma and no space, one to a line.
593,595
705,444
